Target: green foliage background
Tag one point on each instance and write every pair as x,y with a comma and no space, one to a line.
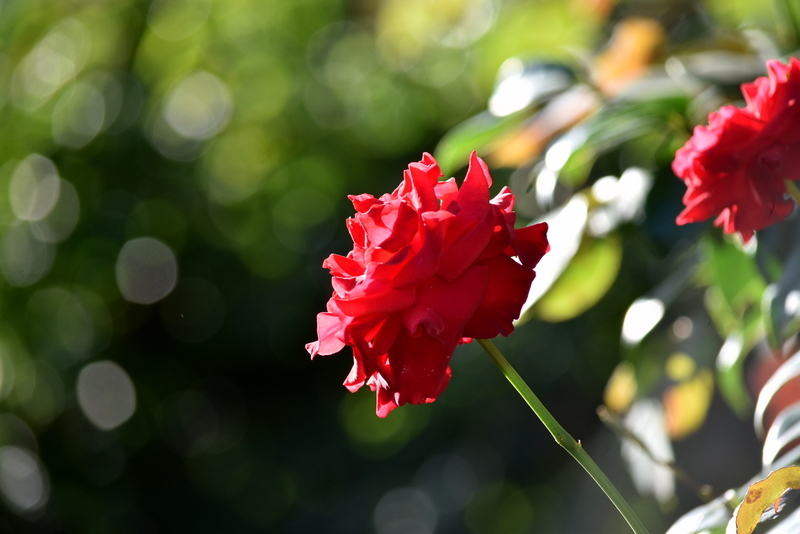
228,133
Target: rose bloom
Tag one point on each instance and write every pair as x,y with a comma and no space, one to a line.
432,266
736,166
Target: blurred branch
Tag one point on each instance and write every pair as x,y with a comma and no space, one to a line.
703,491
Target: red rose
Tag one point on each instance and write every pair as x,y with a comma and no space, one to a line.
431,267
736,166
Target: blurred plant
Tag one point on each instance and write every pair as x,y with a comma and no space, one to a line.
166,171
590,145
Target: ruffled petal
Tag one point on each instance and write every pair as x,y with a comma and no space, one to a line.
420,371
531,244
507,291
736,167
442,307
431,267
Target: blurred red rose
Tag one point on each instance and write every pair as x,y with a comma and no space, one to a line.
736,166
431,267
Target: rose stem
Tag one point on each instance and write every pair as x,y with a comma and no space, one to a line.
561,436
793,191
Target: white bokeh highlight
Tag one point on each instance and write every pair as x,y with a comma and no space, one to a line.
34,188
643,315
106,394
147,270
23,481
199,106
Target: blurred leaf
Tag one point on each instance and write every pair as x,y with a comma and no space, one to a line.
734,272
564,111
571,157
567,226
721,314
475,133
730,376
783,301
587,278
783,431
772,312
650,451
787,372
521,85
735,291
686,404
726,69
576,169
762,494
621,388
788,13
779,260
634,45
709,518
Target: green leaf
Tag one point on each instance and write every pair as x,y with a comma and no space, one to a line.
735,289
476,133
584,282
735,273
567,228
730,375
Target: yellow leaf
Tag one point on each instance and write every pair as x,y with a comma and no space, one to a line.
686,403
621,388
635,44
680,367
763,494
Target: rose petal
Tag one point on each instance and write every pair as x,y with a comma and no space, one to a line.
531,244
425,259
458,255
420,371
427,249
509,283
443,307
328,327
736,167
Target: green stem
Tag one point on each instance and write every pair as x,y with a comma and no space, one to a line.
561,436
791,187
